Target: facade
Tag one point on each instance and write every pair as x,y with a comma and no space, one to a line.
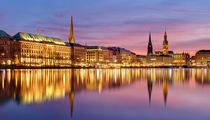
159,60
98,56
180,59
150,48
123,57
116,54
202,58
36,50
141,60
78,54
6,49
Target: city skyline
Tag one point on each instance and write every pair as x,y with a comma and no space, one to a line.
114,23
104,59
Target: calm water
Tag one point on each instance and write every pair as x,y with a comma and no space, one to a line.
105,94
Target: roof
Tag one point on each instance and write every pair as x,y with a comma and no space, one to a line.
203,51
4,34
161,55
140,55
120,49
125,50
96,47
73,44
37,38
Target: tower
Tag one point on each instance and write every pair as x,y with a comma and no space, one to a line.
71,35
165,44
150,48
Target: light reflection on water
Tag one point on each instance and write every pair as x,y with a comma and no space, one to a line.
104,89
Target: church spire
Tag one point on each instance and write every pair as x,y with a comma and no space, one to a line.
150,38
71,35
150,48
165,36
165,44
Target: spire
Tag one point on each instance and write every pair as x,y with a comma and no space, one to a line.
165,35
150,48
150,38
71,35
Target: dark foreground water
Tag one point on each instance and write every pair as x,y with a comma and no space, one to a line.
105,94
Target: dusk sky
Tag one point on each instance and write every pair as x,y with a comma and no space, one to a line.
123,23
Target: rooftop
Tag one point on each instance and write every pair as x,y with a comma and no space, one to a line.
4,34
161,55
120,49
37,38
96,47
140,56
203,51
73,44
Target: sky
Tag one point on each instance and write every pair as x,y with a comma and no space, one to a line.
123,23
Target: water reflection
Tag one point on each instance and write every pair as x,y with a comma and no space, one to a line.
37,86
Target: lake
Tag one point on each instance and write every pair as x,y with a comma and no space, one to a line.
105,94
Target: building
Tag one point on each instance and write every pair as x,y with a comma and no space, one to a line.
127,57
141,60
150,48
35,50
123,57
192,61
165,44
6,49
180,59
116,54
98,56
159,60
78,54
202,58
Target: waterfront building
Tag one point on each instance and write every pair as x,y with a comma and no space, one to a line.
128,57
165,44
78,54
123,57
149,47
180,59
159,60
141,60
192,61
166,57
6,49
116,54
35,50
98,56
202,58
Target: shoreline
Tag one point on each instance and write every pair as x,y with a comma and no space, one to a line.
75,67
